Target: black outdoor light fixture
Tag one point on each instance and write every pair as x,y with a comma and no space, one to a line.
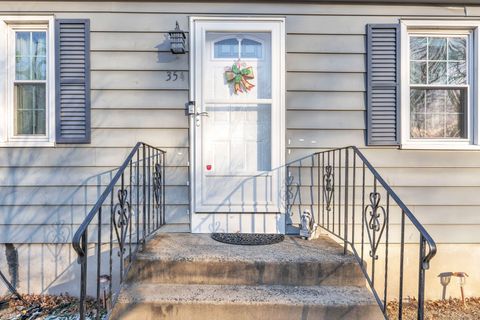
177,40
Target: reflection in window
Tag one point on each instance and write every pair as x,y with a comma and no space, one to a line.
227,48
251,49
438,87
438,113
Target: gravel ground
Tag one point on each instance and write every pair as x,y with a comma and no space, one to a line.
451,309
42,307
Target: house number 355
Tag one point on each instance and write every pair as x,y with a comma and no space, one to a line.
175,75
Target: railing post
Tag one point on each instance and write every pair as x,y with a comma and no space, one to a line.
319,190
144,192
402,252
121,243
345,220
138,197
339,192
149,187
99,260
83,277
421,279
163,189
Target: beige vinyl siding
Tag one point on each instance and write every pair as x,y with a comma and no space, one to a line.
42,188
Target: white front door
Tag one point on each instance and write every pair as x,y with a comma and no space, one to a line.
237,127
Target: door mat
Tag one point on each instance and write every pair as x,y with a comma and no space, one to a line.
248,239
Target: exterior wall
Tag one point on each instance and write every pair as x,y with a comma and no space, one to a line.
46,192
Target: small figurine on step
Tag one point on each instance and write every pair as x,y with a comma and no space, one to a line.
308,225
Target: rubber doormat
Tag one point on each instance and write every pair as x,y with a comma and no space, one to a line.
248,239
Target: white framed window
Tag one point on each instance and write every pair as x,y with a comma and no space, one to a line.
28,81
240,47
439,85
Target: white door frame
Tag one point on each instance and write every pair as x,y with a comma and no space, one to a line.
278,134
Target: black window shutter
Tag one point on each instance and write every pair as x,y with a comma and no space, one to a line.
383,84
72,78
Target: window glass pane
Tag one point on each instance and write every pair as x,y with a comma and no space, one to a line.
457,72
417,125
39,68
438,113
39,44
30,102
437,72
251,49
454,101
435,102
22,56
227,48
30,55
22,43
238,137
434,126
418,48
418,72
437,48
457,49
417,100
454,125
22,68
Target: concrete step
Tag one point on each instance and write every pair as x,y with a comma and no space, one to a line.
226,302
197,259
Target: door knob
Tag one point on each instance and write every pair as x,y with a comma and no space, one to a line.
202,114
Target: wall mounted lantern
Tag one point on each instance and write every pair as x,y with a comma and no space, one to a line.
177,40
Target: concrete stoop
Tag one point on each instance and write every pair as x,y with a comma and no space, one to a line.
191,276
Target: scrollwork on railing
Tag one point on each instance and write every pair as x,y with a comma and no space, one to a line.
375,222
363,221
328,189
121,217
157,184
292,193
135,197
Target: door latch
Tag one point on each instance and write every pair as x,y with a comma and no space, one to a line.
202,114
198,115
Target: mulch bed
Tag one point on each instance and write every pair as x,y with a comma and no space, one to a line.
450,309
44,307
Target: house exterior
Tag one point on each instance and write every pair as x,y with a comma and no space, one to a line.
83,82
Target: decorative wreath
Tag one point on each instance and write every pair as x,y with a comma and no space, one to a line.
239,74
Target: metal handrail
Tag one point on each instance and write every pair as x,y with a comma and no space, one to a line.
93,212
142,197
431,244
336,212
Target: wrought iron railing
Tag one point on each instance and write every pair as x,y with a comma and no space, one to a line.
130,209
351,201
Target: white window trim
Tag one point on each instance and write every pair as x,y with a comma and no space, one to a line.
473,120
7,65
